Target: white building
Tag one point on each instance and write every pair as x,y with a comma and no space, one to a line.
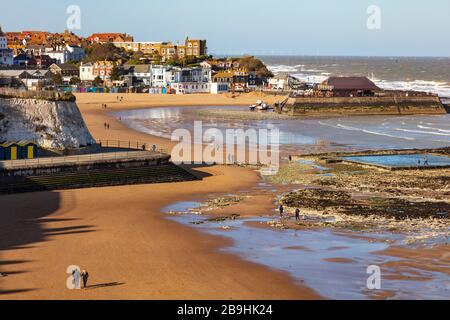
191,80
161,76
87,72
143,72
219,88
279,82
6,54
65,54
33,79
190,87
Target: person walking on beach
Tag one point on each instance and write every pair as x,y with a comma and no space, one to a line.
106,125
297,214
281,211
85,278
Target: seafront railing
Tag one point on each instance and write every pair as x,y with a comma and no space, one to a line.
118,150
37,94
133,145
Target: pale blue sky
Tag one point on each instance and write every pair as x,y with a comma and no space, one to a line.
279,27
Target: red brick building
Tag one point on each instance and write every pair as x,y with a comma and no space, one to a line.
110,37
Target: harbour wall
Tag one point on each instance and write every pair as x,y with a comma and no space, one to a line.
389,105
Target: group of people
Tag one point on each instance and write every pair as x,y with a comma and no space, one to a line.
104,106
119,99
83,276
426,163
297,213
107,126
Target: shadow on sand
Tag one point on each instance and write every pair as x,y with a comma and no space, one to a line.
23,223
104,285
191,168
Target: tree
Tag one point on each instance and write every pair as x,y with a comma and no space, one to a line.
136,58
106,51
115,74
173,62
74,81
253,64
157,58
98,82
56,79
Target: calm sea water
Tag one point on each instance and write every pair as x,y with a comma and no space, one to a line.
420,74
371,132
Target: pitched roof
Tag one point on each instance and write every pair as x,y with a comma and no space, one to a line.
142,68
224,74
2,34
350,83
66,66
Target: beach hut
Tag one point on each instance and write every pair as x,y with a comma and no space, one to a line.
2,152
11,150
27,149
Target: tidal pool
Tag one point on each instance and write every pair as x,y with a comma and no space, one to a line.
402,160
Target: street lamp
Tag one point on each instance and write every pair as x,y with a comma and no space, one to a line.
26,71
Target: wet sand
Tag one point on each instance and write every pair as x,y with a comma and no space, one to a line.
120,236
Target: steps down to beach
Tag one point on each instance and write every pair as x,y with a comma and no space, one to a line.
103,177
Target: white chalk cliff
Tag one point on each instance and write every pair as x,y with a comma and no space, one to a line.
52,124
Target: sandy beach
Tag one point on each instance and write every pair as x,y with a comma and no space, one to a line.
120,235
131,249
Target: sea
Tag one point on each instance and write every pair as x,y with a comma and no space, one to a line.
393,73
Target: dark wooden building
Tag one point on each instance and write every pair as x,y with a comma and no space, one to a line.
349,87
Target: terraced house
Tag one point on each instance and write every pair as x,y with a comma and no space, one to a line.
102,69
167,50
110,37
6,54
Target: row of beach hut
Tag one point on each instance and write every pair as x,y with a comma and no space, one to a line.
12,150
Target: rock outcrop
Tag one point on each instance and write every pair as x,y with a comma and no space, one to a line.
56,125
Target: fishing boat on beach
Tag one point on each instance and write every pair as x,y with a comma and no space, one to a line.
260,106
